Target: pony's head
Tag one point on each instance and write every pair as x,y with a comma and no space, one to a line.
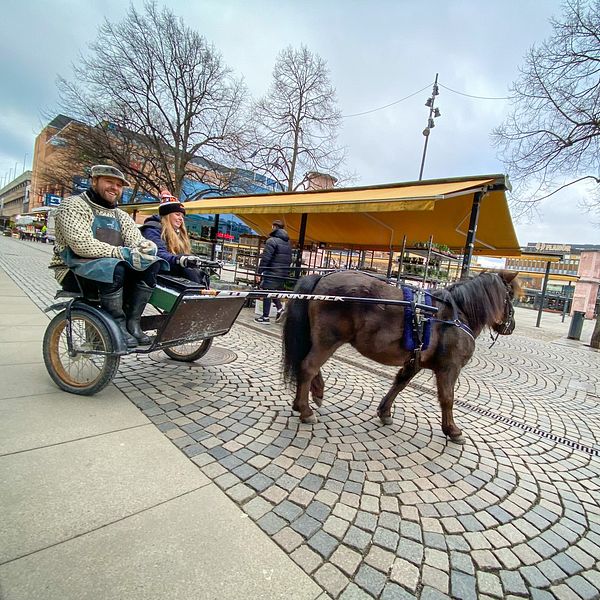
486,300
505,324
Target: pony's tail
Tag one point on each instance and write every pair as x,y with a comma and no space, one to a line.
296,330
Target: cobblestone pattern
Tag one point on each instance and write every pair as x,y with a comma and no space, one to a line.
393,512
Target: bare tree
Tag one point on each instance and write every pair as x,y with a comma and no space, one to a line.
551,137
295,124
156,95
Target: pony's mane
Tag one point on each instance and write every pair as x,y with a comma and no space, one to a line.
481,299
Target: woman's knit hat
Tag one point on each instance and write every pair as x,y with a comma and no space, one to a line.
169,204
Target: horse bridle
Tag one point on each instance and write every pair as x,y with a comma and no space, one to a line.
503,327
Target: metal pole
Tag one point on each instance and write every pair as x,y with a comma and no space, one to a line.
301,237
427,259
213,249
543,296
427,130
470,243
401,261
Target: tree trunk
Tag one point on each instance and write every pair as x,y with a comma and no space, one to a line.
595,341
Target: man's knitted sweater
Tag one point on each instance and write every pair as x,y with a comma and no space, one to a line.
74,219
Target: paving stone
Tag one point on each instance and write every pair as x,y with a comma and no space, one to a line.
366,521
240,493
380,559
318,510
306,526
582,587
411,551
353,592
463,586
336,527
306,559
513,583
323,543
259,482
301,497
370,580
405,573
386,538
435,578
288,510
288,539
391,591
489,584
346,559
567,564
257,507
534,577
331,579
271,523
357,538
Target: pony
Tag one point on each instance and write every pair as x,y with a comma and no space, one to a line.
314,329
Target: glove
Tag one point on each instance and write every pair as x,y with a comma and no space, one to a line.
135,258
190,261
147,247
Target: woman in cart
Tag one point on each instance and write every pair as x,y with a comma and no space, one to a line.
167,230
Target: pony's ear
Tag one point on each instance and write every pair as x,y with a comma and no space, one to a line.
508,276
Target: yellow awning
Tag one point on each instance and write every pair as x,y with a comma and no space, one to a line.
377,217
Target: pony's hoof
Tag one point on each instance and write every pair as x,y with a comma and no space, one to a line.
318,401
386,420
458,439
311,419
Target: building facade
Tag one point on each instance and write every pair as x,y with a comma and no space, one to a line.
15,198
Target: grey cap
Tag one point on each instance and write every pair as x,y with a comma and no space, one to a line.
108,171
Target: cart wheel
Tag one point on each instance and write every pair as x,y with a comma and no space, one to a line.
84,374
189,352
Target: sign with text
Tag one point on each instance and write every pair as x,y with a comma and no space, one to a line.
52,200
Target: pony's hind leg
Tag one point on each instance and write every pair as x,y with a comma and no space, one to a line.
446,380
317,388
402,379
310,371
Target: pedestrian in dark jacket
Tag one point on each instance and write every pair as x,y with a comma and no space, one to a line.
274,267
167,230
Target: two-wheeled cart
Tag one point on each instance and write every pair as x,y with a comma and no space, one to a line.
83,346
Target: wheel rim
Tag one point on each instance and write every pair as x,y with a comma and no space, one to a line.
187,349
81,370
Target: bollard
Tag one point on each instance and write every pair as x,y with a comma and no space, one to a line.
576,325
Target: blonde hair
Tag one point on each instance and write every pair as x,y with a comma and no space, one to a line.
177,242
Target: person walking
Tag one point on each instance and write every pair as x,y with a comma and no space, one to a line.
274,267
167,230
100,247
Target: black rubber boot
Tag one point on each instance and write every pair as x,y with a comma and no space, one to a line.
113,305
137,303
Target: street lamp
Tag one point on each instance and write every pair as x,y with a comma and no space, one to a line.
433,114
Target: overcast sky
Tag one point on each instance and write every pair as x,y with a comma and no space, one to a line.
378,51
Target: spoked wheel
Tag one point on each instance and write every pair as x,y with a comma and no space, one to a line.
189,352
83,374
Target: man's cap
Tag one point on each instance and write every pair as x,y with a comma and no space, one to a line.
169,204
109,171
278,224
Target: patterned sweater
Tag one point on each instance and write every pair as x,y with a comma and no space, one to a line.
74,219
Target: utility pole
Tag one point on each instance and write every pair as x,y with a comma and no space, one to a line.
433,113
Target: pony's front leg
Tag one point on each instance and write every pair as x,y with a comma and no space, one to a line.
402,379
446,380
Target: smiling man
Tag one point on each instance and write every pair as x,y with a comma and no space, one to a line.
99,248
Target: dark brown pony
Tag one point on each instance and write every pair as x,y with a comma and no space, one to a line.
314,330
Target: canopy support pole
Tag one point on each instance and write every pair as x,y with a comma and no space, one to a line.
470,243
213,237
301,238
543,296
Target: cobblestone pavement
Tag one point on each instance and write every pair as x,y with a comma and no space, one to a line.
392,512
